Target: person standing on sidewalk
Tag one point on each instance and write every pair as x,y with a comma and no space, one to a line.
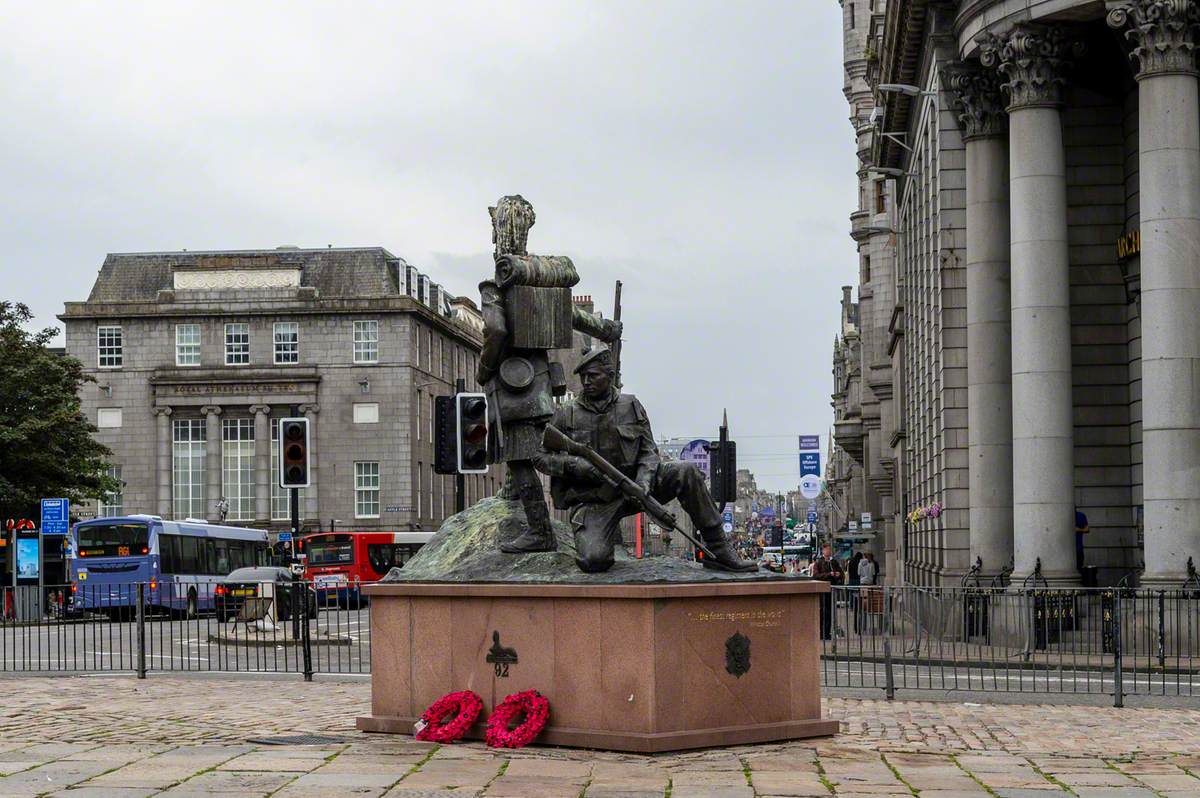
827,569
867,570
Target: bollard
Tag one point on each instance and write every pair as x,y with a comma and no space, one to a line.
1118,674
888,676
306,634
141,630
1162,629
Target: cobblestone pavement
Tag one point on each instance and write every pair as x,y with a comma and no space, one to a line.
116,736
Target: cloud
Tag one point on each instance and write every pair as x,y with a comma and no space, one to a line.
698,151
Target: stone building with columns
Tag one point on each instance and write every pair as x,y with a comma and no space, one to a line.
1045,159
864,408
196,355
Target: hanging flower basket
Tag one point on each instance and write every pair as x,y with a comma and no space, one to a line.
462,708
530,705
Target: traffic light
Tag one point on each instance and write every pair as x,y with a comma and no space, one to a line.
722,467
445,436
471,417
293,453
460,434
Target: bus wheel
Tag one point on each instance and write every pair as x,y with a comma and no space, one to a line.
191,611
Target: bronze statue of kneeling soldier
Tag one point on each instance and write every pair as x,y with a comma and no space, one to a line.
615,426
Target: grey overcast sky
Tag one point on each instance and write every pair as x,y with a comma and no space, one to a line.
698,151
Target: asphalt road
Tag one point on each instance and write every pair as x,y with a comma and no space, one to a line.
97,644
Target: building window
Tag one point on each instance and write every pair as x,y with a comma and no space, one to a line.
366,490
109,349
237,467
880,197
113,503
366,341
366,412
866,276
420,408
852,16
108,418
237,344
281,508
187,468
420,488
287,342
187,344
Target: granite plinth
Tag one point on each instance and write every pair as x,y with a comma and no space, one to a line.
628,667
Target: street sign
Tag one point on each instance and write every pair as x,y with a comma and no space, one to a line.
56,516
810,463
852,526
810,486
284,537
809,443
811,517
866,520
727,527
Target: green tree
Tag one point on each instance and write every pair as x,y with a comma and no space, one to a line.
46,445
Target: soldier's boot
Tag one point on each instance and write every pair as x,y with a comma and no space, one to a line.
725,558
593,550
540,535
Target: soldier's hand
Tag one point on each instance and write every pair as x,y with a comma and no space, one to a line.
584,471
613,330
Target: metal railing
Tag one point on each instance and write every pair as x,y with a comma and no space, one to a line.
168,626
1028,639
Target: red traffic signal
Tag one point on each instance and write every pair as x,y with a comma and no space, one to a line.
293,453
471,414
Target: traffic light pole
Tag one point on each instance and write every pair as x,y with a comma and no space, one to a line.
460,479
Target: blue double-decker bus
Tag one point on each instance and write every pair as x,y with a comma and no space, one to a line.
178,562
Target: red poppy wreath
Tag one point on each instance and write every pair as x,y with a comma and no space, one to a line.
532,705
462,708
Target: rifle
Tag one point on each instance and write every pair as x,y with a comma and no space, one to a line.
553,440
616,345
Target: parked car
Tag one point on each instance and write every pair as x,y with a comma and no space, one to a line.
231,593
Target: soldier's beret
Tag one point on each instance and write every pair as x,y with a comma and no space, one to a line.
599,355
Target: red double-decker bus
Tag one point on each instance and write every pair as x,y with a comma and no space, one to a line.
340,563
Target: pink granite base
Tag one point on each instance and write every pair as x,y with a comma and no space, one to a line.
625,667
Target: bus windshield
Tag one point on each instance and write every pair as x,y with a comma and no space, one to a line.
331,550
112,540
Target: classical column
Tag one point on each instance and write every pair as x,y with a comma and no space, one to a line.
262,462
163,424
1030,59
212,465
311,506
1163,34
980,108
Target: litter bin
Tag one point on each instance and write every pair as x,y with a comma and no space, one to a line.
1090,575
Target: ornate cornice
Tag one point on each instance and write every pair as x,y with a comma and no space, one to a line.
978,101
1031,58
1163,33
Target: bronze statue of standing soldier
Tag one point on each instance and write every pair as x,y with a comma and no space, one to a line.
527,310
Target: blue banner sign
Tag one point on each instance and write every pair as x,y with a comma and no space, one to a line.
56,516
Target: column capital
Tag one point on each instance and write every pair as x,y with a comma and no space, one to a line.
162,411
978,101
263,409
310,409
210,410
1163,33
1032,59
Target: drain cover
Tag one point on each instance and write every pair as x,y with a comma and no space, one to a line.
298,739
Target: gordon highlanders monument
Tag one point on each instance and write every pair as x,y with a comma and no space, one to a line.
633,654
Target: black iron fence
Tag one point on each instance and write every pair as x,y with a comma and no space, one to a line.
1112,641
294,627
